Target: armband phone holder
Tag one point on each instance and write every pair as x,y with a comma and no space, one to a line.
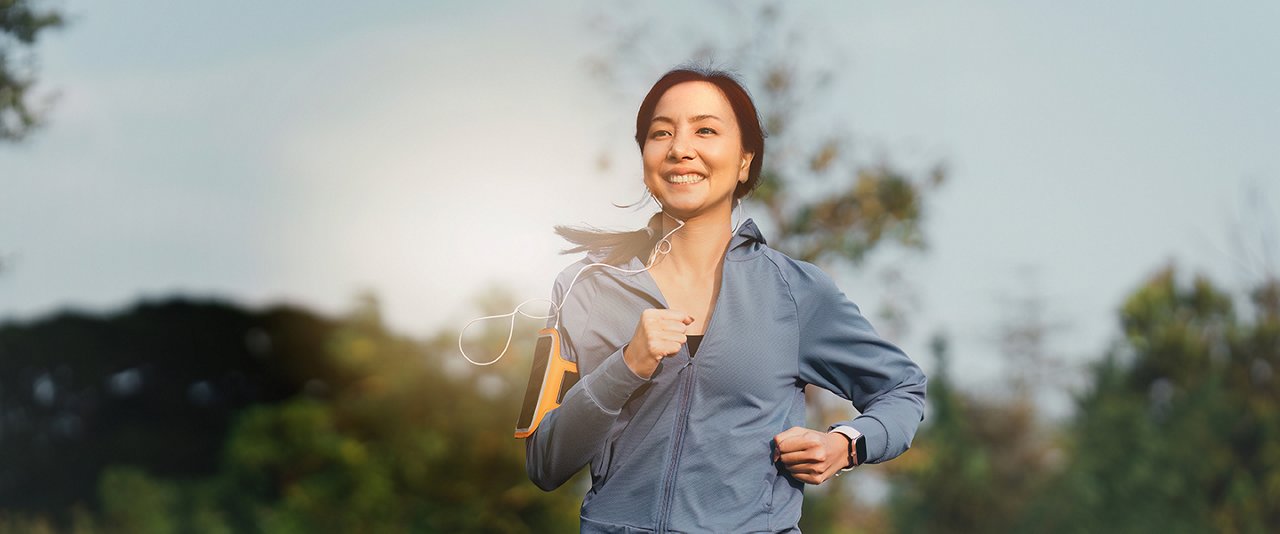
551,377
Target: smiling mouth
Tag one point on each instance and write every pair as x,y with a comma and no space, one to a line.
691,178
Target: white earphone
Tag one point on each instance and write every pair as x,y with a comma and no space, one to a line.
555,306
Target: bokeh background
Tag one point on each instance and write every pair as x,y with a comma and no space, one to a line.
238,241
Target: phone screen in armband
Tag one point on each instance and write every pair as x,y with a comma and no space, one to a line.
550,378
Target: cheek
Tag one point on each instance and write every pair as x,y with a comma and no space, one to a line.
726,158
652,157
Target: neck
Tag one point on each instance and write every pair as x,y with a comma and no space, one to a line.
700,244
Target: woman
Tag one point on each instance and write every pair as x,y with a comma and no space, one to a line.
691,403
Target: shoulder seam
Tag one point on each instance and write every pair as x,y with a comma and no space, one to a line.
796,305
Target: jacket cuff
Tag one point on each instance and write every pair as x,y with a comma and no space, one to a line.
612,383
873,431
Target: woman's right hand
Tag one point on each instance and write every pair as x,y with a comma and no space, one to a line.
659,334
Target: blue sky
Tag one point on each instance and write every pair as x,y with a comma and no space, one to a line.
305,151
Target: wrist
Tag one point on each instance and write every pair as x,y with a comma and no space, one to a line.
837,448
855,446
639,365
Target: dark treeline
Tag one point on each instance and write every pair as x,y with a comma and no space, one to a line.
156,386
187,416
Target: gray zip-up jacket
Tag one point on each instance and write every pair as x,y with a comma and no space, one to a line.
690,448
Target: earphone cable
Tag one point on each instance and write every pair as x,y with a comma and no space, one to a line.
555,306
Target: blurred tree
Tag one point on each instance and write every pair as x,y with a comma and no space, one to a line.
135,502
414,442
1025,340
21,23
1180,431
155,386
338,426
974,465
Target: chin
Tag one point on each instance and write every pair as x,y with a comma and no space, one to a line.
685,206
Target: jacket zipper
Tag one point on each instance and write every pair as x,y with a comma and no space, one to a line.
682,419
682,415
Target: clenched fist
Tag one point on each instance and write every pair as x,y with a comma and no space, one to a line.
811,456
659,334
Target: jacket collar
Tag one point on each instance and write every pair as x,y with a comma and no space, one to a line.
744,244
745,241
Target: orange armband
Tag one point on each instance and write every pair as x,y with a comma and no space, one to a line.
550,378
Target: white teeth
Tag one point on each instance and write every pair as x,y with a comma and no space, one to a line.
685,178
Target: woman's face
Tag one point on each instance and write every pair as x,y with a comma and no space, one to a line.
693,158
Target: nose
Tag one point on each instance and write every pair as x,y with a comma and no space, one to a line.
680,150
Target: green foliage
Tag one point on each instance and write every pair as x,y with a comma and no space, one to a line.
376,433
1180,431
134,502
131,501
20,25
403,447
294,456
973,466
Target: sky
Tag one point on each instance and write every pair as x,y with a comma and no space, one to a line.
305,152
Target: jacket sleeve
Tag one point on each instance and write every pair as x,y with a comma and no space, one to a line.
570,436
841,352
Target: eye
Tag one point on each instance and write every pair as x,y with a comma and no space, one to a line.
658,133
706,130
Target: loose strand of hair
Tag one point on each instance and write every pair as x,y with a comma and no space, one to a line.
617,246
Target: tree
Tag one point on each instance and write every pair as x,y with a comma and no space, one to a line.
21,24
408,439
334,426
155,386
976,463
1180,431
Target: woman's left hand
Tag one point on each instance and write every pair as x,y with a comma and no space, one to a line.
812,457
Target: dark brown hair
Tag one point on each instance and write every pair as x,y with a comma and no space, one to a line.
622,246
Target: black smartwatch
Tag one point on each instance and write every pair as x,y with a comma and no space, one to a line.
858,447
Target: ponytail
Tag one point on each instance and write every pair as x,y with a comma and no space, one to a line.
617,247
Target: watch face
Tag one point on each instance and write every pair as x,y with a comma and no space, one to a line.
862,449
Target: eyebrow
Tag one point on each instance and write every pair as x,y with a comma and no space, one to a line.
695,118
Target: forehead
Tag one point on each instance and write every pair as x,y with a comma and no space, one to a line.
690,99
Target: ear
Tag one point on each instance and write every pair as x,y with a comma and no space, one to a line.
744,171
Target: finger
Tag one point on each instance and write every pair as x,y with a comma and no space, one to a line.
806,469
811,470
802,442
663,348
672,337
804,456
678,316
811,479
674,315
668,325
789,433
671,349
794,439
